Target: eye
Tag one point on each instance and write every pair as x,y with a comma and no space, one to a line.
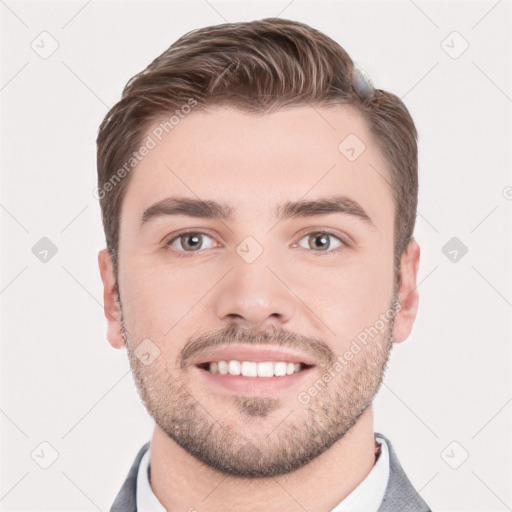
190,241
320,241
195,241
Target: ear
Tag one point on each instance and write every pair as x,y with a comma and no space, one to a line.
110,307
408,294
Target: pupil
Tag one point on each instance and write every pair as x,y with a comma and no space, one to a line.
323,239
193,237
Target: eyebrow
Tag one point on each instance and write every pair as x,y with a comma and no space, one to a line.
291,209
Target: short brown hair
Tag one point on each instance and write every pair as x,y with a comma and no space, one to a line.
258,67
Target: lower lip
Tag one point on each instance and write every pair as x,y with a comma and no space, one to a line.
254,385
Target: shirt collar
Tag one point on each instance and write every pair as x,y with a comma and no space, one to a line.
146,499
368,495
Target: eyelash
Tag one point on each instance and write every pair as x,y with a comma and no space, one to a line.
180,254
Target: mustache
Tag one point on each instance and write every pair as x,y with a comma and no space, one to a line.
236,335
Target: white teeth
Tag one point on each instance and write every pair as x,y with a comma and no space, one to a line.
249,369
280,369
254,369
222,366
234,367
265,370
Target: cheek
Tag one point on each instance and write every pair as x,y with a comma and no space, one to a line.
156,297
352,296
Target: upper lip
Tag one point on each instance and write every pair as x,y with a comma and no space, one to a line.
253,353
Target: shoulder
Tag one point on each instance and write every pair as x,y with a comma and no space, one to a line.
126,498
400,495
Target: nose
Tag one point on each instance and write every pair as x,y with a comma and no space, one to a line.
252,295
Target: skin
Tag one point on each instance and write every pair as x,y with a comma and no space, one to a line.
236,451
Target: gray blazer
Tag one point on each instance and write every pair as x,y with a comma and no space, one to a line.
400,495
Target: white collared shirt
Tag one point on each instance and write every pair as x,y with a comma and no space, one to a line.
367,496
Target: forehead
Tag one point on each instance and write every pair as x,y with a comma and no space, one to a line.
254,163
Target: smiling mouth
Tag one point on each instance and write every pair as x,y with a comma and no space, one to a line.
263,369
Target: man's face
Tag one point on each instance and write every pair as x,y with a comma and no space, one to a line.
308,285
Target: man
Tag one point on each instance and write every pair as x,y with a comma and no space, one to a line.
259,198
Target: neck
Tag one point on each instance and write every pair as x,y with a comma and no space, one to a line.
182,482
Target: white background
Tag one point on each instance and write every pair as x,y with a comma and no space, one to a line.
60,380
